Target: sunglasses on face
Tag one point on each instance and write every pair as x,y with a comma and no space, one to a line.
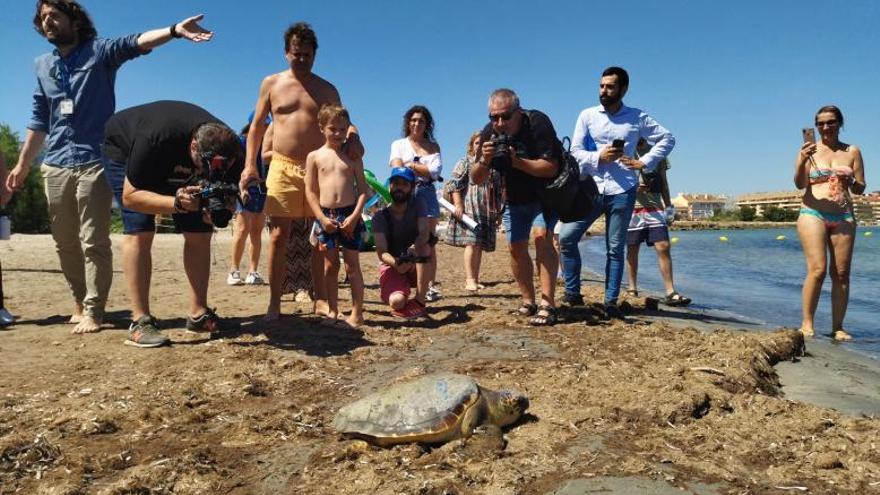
501,116
826,123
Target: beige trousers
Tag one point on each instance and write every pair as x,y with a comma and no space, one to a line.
79,211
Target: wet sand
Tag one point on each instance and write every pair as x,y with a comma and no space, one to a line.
669,401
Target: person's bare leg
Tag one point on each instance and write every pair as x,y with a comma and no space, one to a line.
239,236
813,236
476,260
197,265
549,269
256,223
632,265
330,281
470,277
842,241
397,301
356,281
521,267
277,256
422,275
319,287
664,260
137,268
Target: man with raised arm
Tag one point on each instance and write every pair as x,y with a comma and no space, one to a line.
73,99
294,98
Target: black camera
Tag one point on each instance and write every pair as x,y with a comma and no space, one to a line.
217,195
501,157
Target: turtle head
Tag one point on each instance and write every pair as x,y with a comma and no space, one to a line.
508,407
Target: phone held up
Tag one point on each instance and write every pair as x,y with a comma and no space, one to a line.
809,134
618,144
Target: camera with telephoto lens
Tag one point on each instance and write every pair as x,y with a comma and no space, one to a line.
217,195
501,157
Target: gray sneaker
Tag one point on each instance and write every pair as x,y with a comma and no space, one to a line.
145,333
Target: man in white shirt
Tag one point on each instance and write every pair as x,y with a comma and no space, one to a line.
604,144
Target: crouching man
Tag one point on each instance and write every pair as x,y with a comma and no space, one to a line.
159,158
401,234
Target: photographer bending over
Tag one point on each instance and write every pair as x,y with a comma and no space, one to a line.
401,235
162,158
522,146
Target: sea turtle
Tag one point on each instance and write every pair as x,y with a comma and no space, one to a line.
431,409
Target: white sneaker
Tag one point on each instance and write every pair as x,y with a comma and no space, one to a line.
6,318
234,278
433,294
254,278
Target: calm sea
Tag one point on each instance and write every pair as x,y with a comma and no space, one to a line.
759,278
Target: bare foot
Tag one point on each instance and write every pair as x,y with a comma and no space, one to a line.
808,332
77,315
353,322
87,324
322,308
273,313
840,335
471,285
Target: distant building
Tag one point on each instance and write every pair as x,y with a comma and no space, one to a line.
867,208
786,200
698,206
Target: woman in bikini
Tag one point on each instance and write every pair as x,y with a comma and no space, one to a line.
829,170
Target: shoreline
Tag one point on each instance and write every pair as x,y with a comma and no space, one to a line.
676,400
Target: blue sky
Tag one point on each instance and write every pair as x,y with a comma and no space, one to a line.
734,81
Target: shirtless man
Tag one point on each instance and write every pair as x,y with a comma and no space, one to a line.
335,191
294,97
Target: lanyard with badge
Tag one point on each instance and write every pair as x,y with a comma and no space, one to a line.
65,71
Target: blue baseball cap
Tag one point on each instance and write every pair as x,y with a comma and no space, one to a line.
403,173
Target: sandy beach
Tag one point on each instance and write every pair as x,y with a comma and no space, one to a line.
667,402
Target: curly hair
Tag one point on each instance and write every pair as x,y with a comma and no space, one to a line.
303,32
72,10
429,121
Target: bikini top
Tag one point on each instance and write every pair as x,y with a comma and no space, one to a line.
825,174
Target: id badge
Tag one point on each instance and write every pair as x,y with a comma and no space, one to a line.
66,106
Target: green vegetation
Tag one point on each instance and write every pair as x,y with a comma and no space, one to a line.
28,206
776,214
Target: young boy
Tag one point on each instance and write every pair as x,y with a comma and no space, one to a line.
336,192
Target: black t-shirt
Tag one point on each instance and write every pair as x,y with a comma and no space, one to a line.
536,139
403,232
153,142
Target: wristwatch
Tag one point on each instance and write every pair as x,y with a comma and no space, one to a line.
173,31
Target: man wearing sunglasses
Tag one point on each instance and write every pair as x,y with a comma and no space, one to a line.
532,156
73,99
604,144
156,155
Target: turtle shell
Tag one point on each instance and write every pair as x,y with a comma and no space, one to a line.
428,409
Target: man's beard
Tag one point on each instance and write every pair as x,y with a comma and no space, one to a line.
608,101
399,196
61,39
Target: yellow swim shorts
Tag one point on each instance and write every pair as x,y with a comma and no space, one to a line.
286,188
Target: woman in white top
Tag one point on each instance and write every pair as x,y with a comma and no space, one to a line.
419,151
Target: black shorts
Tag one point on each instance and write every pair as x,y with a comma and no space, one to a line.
649,236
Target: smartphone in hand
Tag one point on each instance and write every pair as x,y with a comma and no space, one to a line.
809,134
618,144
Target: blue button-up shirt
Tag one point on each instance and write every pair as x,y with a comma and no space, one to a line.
596,128
86,76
